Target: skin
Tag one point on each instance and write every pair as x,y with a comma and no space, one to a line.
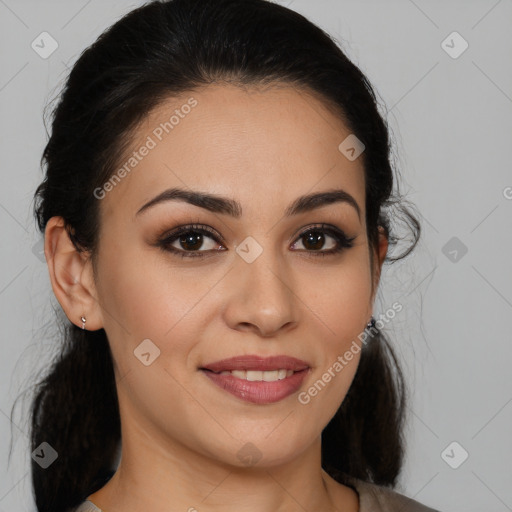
181,433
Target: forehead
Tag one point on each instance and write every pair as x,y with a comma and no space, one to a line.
263,146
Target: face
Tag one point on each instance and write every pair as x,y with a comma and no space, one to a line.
185,284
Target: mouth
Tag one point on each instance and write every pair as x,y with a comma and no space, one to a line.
257,379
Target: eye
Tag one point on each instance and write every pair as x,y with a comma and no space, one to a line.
189,239
186,241
314,238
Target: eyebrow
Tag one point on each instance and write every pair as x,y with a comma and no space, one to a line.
224,205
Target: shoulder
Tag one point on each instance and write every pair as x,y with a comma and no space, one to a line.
86,506
376,498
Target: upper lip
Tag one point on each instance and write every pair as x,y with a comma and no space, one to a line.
253,362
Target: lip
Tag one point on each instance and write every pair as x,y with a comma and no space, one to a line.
258,392
253,362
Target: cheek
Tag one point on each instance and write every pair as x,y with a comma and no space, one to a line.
342,299
325,393
342,308
144,298
138,290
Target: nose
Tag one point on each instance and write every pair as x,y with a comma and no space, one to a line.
261,297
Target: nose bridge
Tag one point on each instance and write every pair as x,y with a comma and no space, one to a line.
263,292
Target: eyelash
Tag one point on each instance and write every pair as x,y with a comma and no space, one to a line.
344,242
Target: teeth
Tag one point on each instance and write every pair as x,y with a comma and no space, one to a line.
270,376
254,375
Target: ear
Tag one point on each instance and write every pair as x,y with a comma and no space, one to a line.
71,275
381,252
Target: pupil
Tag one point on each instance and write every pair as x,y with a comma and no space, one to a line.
189,240
316,240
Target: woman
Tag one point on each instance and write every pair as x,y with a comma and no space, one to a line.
215,219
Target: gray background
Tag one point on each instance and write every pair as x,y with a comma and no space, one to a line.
451,120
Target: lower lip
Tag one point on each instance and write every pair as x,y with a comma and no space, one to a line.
258,392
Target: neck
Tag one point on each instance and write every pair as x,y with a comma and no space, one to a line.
149,478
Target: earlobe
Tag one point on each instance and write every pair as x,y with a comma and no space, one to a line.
71,276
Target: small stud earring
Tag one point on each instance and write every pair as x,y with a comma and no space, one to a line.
83,322
371,323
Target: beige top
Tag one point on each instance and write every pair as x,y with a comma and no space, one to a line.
372,498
